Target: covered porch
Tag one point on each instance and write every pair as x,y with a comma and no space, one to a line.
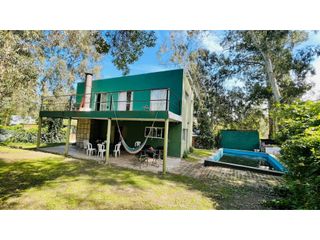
97,130
124,160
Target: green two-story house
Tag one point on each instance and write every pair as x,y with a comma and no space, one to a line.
160,103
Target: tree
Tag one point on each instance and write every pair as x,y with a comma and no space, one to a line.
33,63
68,54
182,49
64,56
18,71
272,64
230,108
126,46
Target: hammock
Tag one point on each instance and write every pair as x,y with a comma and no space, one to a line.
129,149
133,150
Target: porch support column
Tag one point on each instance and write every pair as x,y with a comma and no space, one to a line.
66,148
165,146
39,132
108,142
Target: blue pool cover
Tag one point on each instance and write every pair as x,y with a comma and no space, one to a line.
272,160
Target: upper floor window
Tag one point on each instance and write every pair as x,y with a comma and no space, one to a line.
101,102
158,100
125,101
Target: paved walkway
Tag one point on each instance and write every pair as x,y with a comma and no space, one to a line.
227,175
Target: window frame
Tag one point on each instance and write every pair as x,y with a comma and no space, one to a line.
154,133
100,105
159,104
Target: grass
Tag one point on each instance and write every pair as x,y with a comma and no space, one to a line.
36,180
59,183
198,154
23,145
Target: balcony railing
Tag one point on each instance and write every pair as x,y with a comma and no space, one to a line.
137,100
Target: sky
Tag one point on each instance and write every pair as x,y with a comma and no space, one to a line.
150,62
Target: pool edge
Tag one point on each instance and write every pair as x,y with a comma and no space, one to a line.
241,167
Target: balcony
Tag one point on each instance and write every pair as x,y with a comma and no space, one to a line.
127,104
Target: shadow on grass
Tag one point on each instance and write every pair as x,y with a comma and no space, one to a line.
19,176
16,177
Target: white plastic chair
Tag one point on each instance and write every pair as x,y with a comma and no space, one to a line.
137,143
116,150
85,144
101,150
90,149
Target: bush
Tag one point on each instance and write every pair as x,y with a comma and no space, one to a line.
23,135
17,134
52,132
205,141
301,154
299,133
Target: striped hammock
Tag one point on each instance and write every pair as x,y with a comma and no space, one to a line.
129,149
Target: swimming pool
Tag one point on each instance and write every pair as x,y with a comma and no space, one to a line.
246,160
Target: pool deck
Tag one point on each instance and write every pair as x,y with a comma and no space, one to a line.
235,177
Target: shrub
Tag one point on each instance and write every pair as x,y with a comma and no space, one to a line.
52,132
205,141
299,133
23,135
301,154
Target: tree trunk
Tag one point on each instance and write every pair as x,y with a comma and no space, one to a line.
271,121
271,80
271,129
269,67
271,77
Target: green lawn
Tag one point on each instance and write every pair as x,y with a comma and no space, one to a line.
58,183
37,180
199,154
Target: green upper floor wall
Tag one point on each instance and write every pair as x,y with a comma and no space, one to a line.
172,79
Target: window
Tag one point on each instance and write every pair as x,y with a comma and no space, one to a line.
155,132
101,102
129,101
158,100
125,101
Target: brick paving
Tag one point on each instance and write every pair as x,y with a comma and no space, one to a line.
226,175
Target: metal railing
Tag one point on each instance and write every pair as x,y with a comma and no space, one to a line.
108,101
